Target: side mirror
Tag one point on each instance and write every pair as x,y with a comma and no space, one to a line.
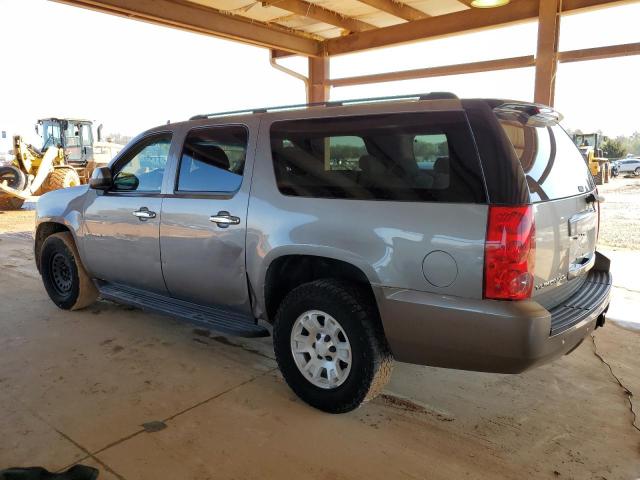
101,179
126,181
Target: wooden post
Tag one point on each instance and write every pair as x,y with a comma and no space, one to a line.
318,90
547,53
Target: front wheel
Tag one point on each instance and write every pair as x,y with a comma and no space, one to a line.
637,171
63,177
64,277
330,345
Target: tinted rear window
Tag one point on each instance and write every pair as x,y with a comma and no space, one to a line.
409,157
553,165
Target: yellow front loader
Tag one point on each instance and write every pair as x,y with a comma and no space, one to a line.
33,173
67,158
589,146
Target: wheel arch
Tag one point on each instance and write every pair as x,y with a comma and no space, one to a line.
43,231
288,271
58,211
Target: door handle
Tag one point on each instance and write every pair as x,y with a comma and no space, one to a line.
144,214
224,219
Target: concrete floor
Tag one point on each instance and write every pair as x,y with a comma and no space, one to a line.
78,386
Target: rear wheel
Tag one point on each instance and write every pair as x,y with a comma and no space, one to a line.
64,177
63,275
637,171
330,346
14,177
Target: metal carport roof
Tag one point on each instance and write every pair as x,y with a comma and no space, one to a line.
319,29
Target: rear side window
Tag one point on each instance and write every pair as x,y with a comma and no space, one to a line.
344,152
406,157
553,166
213,159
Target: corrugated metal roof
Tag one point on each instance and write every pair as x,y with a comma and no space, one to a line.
276,12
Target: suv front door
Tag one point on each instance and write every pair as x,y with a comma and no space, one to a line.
203,227
122,225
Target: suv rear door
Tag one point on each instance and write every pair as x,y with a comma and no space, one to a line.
203,228
561,190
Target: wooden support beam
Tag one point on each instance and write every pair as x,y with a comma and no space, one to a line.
547,51
454,23
576,6
397,9
318,89
316,12
280,53
441,71
599,53
440,26
201,19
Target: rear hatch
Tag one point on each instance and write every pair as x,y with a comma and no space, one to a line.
562,193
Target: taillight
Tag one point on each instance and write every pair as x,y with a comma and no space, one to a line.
509,252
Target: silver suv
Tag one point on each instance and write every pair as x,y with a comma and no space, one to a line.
444,232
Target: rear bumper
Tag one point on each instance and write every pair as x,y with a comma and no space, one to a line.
489,335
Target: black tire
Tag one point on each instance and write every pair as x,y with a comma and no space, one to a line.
65,279
64,177
14,177
355,310
637,171
8,202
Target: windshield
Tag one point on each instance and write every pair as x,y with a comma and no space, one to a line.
50,135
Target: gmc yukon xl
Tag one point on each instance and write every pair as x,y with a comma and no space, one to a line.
429,229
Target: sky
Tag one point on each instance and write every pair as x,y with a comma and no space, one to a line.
60,60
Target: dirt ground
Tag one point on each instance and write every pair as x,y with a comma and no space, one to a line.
142,396
621,213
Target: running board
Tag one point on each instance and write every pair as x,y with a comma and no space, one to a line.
220,320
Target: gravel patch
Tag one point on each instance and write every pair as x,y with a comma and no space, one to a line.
620,215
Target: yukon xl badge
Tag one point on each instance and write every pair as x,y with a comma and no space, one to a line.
553,281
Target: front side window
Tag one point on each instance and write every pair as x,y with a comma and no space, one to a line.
143,168
213,160
407,157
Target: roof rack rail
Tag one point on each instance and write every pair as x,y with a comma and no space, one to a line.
331,103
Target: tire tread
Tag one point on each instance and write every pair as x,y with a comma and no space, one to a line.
60,178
